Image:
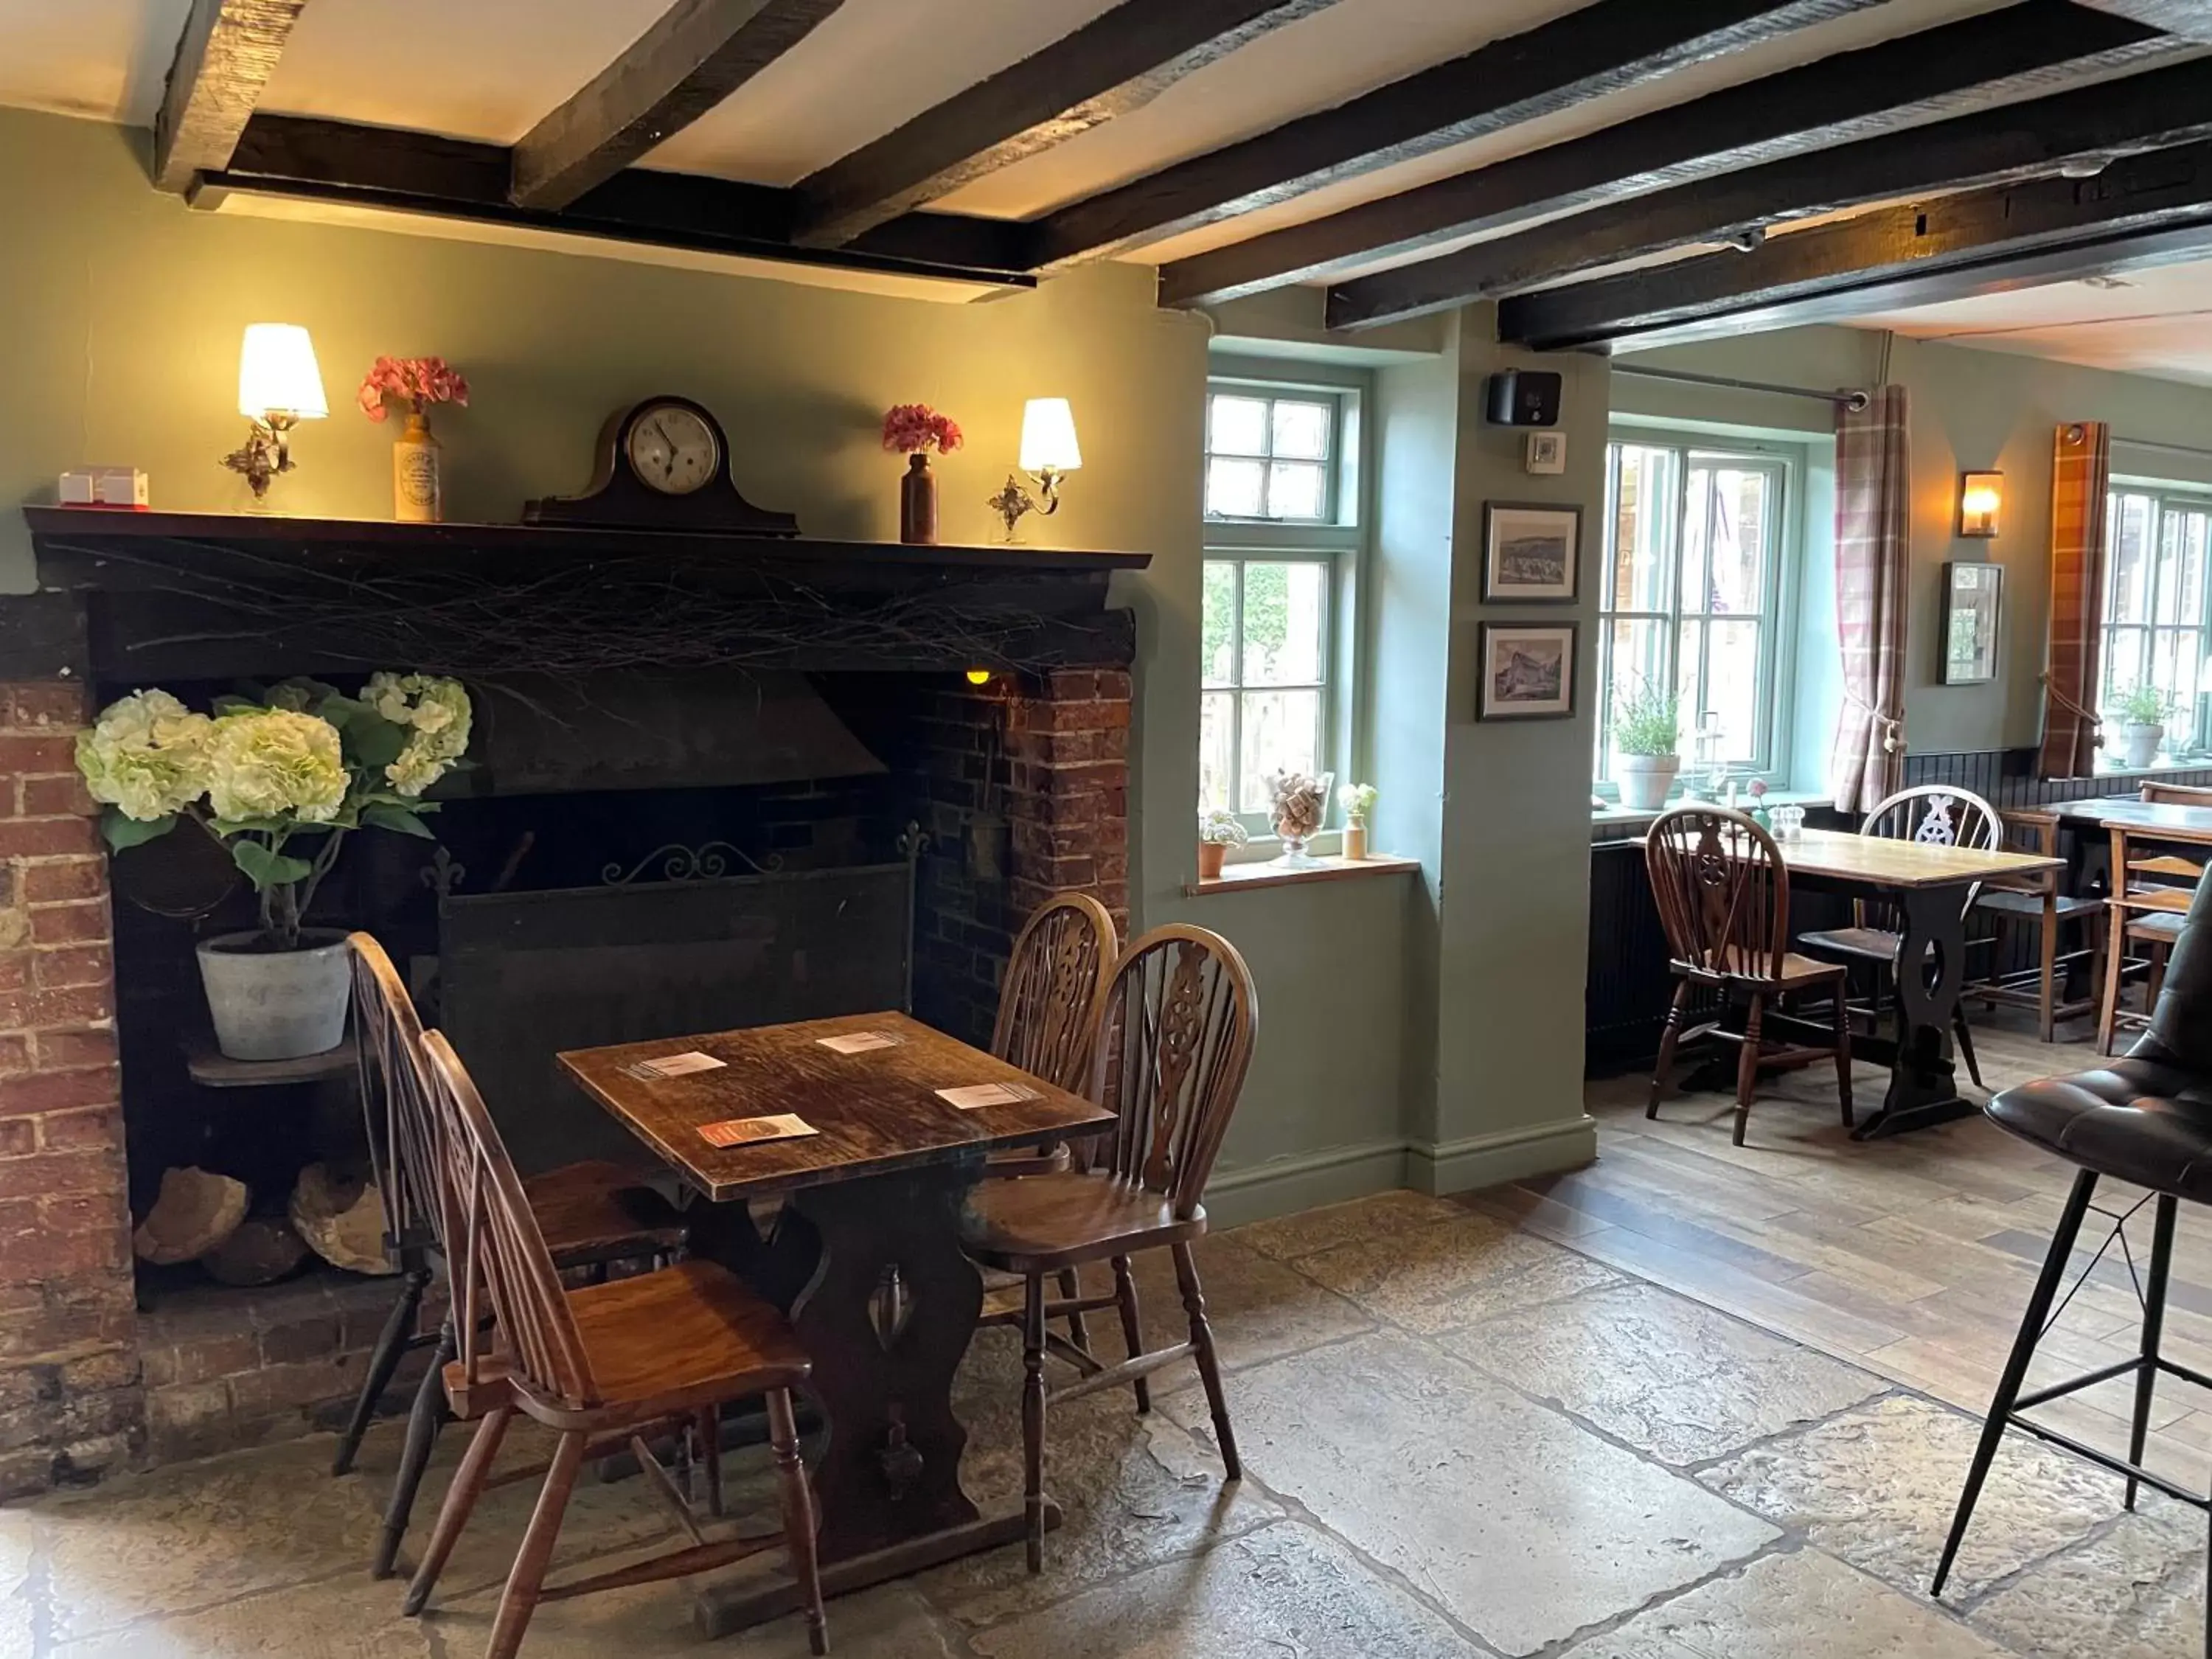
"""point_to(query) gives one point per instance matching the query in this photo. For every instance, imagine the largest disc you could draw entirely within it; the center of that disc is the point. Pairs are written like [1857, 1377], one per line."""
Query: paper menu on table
[860, 1043]
[668, 1066]
[745, 1131]
[975, 1095]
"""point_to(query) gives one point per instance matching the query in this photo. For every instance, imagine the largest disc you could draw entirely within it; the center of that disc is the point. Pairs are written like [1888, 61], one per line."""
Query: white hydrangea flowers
[145, 755]
[271, 763]
[437, 713]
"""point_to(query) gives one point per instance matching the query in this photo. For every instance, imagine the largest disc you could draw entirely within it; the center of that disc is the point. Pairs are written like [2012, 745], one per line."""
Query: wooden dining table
[863, 1255]
[1929, 885]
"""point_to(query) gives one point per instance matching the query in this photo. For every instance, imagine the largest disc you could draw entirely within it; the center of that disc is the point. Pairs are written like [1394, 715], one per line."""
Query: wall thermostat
[1525, 397]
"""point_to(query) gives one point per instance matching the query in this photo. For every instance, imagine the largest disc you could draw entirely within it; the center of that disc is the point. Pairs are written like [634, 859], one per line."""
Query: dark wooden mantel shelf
[144, 596]
[90, 529]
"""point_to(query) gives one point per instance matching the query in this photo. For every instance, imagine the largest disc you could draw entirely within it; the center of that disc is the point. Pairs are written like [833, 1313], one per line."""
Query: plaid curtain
[1874, 494]
[2080, 473]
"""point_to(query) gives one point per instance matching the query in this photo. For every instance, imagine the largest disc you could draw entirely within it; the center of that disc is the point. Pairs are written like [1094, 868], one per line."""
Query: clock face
[673, 449]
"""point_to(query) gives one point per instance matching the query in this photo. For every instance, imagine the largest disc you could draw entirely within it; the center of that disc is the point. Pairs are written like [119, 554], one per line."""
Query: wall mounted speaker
[1524, 398]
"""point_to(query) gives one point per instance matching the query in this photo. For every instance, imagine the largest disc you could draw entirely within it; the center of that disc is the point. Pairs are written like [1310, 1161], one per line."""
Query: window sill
[1612, 821]
[1243, 878]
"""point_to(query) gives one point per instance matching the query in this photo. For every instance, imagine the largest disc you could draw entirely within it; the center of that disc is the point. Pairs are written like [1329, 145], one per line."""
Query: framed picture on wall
[1972, 597]
[1527, 670]
[1529, 552]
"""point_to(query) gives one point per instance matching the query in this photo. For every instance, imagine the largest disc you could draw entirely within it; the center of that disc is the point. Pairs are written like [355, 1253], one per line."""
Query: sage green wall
[120, 313]
[1971, 411]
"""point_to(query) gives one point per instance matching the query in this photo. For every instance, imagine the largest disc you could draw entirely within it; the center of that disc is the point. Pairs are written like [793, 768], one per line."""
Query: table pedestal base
[725, 1609]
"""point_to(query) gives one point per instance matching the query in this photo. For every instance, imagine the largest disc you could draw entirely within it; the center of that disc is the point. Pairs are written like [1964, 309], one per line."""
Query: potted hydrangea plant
[279, 780]
[1217, 831]
[1647, 735]
[1357, 800]
[2142, 711]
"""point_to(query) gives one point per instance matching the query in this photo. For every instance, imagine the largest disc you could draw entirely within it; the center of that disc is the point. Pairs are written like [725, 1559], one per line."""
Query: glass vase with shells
[1299, 803]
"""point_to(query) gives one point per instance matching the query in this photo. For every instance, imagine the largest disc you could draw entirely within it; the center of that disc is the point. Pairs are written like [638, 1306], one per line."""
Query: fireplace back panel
[524, 976]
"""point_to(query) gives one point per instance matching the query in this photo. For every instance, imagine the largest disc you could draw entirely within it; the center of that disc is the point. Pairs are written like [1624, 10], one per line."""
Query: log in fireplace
[787, 730]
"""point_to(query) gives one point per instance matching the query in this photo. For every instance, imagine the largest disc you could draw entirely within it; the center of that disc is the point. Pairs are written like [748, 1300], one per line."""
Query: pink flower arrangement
[417, 382]
[911, 428]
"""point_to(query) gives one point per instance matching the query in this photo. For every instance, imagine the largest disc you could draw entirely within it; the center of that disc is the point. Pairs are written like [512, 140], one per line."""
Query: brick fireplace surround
[88, 1385]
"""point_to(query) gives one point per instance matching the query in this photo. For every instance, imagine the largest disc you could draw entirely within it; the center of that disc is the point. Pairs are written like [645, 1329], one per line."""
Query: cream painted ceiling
[488, 69]
[2155, 321]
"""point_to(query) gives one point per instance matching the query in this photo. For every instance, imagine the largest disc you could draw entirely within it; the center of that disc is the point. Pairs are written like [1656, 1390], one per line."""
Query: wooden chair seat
[598, 1211]
[2018, 901]
[656, 1340]
[1046, 1222]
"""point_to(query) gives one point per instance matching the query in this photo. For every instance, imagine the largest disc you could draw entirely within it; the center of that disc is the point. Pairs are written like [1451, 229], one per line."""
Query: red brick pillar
[71, 1401]
[1071, 796]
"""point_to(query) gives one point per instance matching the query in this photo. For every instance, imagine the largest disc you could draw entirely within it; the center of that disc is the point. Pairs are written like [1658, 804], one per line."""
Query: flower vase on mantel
[913, 430]
[918, 502]
[416, 384]
[418, 490]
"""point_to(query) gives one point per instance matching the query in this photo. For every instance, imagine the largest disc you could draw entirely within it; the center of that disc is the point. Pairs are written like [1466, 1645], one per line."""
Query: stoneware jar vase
[2143, 742]
[276, 1005]
[1645, 780]
[418, 494]
[1355, 842]
[1210, 856]
[918, 502]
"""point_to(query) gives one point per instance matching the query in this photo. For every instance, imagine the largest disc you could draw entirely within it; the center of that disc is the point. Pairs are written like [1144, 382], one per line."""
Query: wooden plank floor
[1911, 1256]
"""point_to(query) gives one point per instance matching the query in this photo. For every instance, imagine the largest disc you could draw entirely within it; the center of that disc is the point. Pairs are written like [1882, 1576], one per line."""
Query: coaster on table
[860, 1043]
[668, 1066]
[974, 1095]
[744, 1130]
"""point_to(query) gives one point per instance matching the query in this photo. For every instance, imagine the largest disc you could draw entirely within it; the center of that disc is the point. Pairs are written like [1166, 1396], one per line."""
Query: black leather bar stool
[2146, 1120]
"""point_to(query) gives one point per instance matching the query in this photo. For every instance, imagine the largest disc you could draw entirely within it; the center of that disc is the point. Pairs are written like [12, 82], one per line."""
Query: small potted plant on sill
[2141, 711]
[1217, 831]
[1647, 735]
[271, 778]
[1357, 800]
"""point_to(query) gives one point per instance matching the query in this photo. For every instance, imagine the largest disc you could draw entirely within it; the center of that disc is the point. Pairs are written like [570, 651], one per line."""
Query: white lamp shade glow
[278, 373]
[1048, 436]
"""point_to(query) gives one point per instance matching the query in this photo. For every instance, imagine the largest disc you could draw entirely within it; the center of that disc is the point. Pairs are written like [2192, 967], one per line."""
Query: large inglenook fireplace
[716, 782]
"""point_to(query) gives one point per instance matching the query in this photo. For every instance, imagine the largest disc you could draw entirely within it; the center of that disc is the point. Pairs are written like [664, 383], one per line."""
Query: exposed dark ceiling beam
[2192, 18]
[226, 55]
[2028, 49]
[422, 172]
[1603, 48]
[695, 54]
[2144, 209]
[1117, 62]
[2085, 127]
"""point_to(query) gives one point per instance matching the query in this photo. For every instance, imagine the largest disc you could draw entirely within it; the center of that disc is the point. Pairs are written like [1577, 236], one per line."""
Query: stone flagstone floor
[1459, 1439]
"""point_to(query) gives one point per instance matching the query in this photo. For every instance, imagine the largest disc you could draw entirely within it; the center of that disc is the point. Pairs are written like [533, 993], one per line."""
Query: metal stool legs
[2016, 1364]
[2154, 1327]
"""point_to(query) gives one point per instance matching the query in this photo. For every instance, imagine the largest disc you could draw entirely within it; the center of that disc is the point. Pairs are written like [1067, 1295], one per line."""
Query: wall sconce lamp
[279, 386]
[1048, 452]
[1981, 498]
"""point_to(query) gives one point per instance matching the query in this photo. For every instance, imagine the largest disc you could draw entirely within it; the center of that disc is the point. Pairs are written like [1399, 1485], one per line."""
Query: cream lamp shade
[1048, 437]
[278, 373]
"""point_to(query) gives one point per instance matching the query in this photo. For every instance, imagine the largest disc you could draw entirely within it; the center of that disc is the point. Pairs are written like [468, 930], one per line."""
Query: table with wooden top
[2145, 819]
[1929, 884]
[863, 1256]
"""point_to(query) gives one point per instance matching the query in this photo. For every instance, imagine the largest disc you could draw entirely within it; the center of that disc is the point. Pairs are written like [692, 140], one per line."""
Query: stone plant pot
[1355, 842]
[2143, 742]
[276, 1005]
[1645, 780]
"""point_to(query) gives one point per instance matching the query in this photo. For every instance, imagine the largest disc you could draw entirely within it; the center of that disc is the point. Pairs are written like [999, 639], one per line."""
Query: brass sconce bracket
[266, 453]
[1013, 502]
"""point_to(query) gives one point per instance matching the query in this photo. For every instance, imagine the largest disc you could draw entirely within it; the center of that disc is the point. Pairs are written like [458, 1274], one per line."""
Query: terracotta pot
[918, 503]
[418, 494]
[1355, 842]
[1210, 855]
